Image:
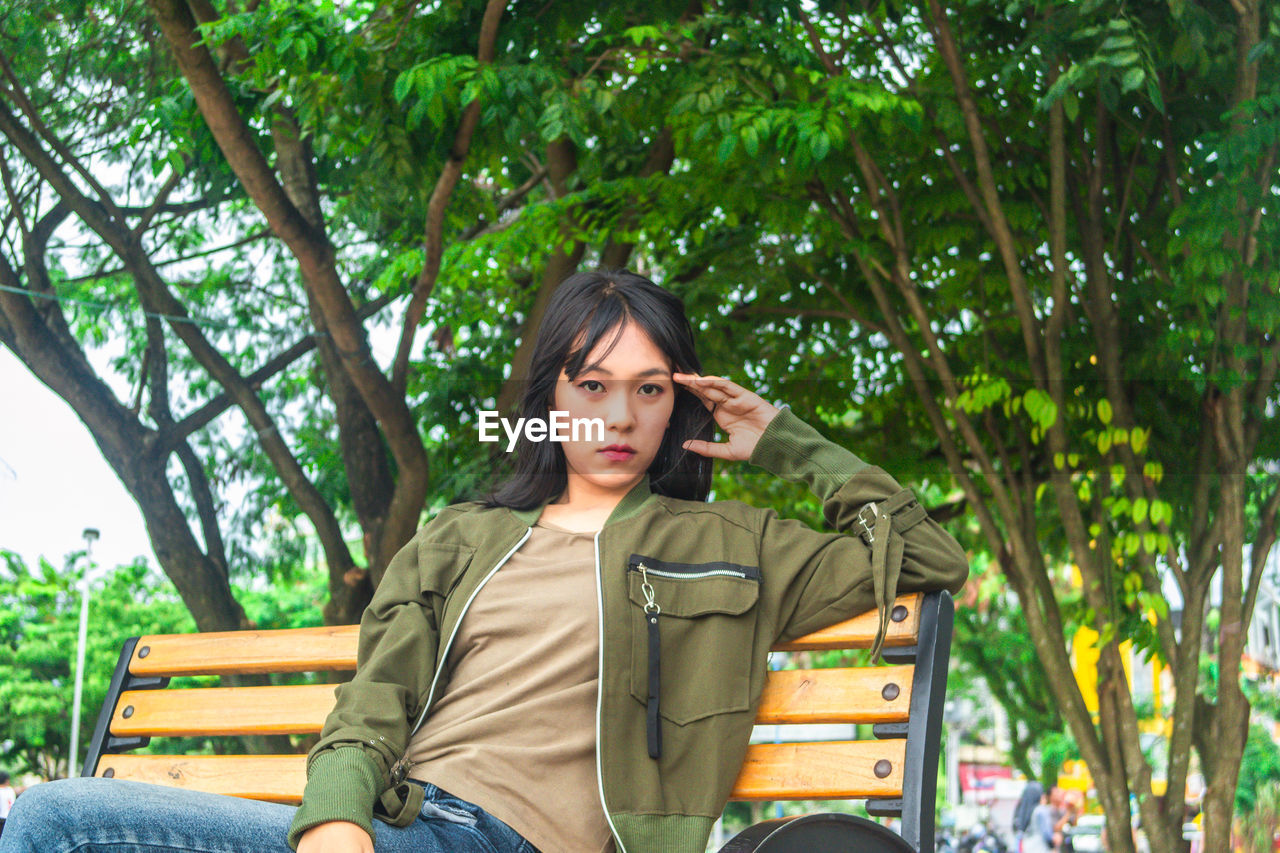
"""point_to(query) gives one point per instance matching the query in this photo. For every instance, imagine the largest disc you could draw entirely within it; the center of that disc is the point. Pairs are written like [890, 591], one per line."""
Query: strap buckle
[868, 523]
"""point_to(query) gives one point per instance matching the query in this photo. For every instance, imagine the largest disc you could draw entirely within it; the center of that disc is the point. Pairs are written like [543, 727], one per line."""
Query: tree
[991, 642]
[1048, 225]
[1024, 244]
[39, 627]
[301, 137]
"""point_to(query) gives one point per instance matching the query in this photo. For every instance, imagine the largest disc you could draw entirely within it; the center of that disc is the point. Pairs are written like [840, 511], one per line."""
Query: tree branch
[17, 95]
[439, 201]
[168, 439]
[121, 270]
[508, 202]
[1260, 550]
[660, 157]
[311, 248]
[1001, 233]
[155, 297]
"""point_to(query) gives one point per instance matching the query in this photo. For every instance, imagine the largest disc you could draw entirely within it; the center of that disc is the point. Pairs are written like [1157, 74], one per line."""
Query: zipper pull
[651, 611]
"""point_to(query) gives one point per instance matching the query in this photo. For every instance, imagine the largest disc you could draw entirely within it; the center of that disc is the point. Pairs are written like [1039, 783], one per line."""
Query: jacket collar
[639, 496]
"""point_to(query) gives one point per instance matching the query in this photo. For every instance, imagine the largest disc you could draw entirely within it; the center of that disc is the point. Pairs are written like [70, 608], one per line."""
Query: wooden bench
[896, 772]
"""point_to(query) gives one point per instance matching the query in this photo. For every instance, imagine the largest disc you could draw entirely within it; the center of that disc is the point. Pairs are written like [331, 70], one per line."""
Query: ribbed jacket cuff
[341, 785]
[663, 833]
[793, 450]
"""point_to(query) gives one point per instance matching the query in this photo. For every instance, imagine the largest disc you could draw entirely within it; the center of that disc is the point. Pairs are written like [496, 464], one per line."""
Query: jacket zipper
[458, 623]
[648, 565]
[600, 695]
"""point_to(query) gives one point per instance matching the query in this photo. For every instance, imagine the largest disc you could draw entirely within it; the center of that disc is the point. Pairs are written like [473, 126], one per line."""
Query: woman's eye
[657, 389]
[588, 382]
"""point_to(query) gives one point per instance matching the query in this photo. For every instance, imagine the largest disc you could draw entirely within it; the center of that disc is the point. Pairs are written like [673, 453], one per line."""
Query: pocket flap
[441, 564]
[696, 596]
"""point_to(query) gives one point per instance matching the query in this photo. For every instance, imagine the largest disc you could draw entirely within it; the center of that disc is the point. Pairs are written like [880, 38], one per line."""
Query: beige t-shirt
[514, 729]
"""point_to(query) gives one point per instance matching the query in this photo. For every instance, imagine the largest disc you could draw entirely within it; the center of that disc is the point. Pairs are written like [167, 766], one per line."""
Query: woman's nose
[618, 413]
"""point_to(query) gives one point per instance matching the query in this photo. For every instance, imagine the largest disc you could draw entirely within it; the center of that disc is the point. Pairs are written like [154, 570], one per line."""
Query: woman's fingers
[715, 389]
[708, 448]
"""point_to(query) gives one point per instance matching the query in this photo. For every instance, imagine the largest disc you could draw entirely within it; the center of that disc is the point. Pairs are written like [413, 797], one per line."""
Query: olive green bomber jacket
[728, 580]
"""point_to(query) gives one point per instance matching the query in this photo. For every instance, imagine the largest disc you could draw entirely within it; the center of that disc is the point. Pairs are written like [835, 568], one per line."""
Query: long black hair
[589, 305]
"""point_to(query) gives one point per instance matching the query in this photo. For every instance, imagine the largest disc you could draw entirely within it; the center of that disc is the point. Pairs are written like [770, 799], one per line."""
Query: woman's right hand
[335, 836]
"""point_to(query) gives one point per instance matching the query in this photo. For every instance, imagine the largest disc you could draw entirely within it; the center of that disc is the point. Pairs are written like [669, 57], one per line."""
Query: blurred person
[1070, 813]
[1039, 836]
[7, 797]
[1027, 802]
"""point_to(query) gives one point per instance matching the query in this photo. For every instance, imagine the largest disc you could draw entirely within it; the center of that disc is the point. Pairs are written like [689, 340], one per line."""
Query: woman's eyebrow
[653, 371]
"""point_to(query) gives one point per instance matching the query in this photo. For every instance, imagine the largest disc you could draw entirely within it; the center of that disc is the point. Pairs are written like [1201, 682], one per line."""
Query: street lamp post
[957, 714]
[90, 535]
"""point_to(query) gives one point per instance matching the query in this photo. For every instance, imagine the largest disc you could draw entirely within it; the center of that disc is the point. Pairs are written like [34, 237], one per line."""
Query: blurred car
[1086, 835]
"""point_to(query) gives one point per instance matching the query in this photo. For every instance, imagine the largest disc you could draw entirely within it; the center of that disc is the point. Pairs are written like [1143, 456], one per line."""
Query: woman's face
[632, 392]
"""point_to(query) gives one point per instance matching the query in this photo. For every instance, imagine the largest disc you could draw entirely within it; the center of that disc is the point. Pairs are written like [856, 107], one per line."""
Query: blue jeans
[93, 814]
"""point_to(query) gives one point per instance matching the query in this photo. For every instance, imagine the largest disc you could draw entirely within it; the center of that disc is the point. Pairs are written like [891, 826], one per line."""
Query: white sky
[53, 480]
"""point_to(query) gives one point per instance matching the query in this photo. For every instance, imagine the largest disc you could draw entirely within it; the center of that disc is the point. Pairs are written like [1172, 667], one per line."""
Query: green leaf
[1107, 635]
[1071, 105]
[639, 34]
[1085, 491]
[1139, 510]
[416, 114]
[1123, 59]
[1117, 42]
[435, 111]
[1132, 79]
[727, 144]
[819, 144]
[404, 83]
[1153, 92]
[1032, 401]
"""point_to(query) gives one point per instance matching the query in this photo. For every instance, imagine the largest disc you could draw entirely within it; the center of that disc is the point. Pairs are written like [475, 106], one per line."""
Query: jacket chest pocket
[706, 625]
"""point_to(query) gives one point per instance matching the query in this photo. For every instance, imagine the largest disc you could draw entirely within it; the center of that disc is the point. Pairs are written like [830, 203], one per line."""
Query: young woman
[574, 662]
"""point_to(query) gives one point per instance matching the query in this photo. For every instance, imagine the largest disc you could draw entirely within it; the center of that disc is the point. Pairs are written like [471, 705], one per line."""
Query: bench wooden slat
[821, 771]
[223, 711]
[334, 648]
[234, 652]
[855, 695]
[790, 696]
[771, 771]
[277, 778]
[860, 631]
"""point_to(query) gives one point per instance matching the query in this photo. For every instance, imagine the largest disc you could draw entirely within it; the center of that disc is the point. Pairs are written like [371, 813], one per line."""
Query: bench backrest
[896, 772]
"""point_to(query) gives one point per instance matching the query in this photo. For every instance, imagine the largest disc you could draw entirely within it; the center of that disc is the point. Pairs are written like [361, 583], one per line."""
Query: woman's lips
[618, 455]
